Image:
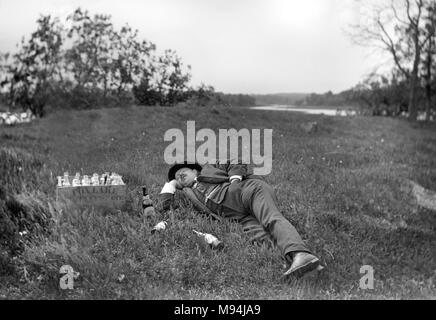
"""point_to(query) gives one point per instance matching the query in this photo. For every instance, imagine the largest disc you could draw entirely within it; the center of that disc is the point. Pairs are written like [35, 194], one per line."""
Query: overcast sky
[237, 46]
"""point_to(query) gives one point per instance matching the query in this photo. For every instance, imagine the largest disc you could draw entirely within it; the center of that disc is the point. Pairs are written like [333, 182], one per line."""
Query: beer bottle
[102, 179]
[76, 180]
[147, 203]
[161, 226]
[66, 181]
[95, 181]
[86, 181]
[60, 181]
[210, 239]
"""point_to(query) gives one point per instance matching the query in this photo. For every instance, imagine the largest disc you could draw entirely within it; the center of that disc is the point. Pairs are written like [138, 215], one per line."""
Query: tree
[171, 78]
[89, 63]
[35, 68]
[430, 52]
[382, 95]
[164, 82]
[133, 60]
[399, 29]
[90, 57]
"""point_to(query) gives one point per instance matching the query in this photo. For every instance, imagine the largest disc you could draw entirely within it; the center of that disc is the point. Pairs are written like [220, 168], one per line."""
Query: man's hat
[178, 166]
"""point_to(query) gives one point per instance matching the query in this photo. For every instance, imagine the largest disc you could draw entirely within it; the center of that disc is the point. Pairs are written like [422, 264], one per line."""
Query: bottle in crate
[76, 180]
[102, 179]
[107, 178]
[95, 181]
[86, 181]
[66, 180]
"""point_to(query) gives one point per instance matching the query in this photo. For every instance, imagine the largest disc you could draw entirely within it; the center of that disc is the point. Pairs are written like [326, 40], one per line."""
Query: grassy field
[344, 187]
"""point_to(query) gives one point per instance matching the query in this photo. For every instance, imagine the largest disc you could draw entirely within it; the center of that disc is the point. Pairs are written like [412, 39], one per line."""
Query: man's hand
[176, 184]
[170, 187]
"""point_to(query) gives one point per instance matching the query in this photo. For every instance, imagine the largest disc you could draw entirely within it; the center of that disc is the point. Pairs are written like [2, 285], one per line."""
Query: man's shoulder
[208, 168]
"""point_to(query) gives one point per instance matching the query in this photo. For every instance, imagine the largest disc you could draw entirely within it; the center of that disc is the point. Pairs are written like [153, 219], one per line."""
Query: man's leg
[258, 198]
[254, 203]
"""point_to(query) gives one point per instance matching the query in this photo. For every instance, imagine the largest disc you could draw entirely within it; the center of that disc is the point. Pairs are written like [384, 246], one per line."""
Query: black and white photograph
[217, 154]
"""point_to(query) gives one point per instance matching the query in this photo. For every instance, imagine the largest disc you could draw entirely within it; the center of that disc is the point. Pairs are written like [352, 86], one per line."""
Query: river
[310, 110]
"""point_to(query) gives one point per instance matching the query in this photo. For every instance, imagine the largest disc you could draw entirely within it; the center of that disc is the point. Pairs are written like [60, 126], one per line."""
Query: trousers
[253, 203]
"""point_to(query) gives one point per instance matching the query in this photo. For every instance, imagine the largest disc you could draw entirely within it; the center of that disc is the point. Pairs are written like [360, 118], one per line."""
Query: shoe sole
[310, 266]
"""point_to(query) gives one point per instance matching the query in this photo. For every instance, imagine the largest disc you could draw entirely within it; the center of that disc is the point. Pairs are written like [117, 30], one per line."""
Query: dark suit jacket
[212, 184]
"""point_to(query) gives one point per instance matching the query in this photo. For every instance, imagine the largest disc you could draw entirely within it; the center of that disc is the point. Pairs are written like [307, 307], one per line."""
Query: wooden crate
[109, 197]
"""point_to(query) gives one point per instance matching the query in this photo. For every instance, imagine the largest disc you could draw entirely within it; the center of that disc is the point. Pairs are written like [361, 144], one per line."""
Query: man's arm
[236, 170]
[166, 196]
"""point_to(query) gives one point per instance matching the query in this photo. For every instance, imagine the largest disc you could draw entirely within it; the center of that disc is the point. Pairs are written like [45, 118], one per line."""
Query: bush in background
[85, 63]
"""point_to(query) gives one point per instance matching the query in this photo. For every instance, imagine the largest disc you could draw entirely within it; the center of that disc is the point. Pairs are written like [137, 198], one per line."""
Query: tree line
[85, 62]
[404, 30]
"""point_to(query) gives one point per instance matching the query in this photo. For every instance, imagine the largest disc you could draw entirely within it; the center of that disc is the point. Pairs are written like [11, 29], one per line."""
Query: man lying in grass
[230, 191]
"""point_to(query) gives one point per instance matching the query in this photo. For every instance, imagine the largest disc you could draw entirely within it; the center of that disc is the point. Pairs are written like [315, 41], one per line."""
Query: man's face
[186, 177]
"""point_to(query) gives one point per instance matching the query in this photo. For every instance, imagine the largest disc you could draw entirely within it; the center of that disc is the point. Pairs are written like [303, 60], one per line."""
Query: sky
[237, 46]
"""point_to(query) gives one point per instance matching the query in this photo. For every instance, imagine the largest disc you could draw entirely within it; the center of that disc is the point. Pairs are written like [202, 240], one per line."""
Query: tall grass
[343, 187]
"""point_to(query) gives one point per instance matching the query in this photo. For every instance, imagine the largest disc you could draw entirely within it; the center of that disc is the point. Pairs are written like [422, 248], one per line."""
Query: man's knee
[275, 219]
[263, 186]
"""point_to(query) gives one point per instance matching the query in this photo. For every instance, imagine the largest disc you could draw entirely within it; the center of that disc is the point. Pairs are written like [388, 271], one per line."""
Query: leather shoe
[302, 263]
